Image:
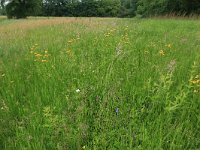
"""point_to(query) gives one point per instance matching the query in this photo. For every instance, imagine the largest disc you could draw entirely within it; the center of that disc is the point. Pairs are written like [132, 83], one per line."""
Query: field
[99, 83]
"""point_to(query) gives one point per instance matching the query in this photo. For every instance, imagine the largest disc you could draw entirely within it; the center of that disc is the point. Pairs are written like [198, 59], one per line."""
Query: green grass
[100, 84]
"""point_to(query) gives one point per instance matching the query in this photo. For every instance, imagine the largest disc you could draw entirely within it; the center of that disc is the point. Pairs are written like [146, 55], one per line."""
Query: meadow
[99, 83]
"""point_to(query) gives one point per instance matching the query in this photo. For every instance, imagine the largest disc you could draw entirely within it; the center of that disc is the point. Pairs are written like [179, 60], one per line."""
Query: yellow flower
[46, 55]
[161, 52]
[169, 46]
[69, 52]
[107, 34]
[198, 81]
[70, 41]
[195, 81]
[38, 55]
[195, 91]
[44, 61]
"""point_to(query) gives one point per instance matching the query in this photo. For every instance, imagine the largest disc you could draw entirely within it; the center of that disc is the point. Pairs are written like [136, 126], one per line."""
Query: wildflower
[171, 66]
[70, 41]
[78, 90]
[195, 91]
[69, 52]
[47, 111]
[46, 55]
[36, 44]
[192, 81]
[119, 49]
[117, 110]
[44, 61]
[4, 106]
[30, 138]
[195, 81]
[46, 51]
[38, 55]
[161, 52]
[107, 34]
[169, 46]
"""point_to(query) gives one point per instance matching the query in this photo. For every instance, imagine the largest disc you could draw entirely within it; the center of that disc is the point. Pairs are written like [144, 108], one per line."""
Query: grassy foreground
[88, 83]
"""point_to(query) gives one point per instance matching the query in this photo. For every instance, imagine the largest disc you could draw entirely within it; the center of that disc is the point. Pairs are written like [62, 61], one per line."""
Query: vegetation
[101, 8]
[162, 7]
[23, 8]
[88, 83]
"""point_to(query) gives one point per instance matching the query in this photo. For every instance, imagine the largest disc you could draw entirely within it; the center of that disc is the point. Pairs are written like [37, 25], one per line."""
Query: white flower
[78, 90]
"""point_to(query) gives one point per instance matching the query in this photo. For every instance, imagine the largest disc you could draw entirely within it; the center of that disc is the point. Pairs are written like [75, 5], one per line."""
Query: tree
[54, 7]
[2, 7]
[128, 8]
[161, 7]
[191, 6]
[111, 7]
[23, 8]
[2, 2]
[152, 7]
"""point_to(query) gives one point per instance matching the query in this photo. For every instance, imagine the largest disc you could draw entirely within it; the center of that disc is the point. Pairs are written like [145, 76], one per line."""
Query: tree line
[97, 8]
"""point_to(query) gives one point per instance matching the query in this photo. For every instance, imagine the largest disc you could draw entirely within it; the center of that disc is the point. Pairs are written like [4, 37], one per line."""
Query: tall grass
[99, 84]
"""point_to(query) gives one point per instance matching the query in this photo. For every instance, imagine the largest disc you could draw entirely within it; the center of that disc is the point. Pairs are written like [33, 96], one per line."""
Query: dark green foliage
[161, 7]
[192, 6]
[2, 12]
[151, 7]
[23, 8]
[128, 8]
[99, 8]
[103, 8]
[87, 8]
[56, 7]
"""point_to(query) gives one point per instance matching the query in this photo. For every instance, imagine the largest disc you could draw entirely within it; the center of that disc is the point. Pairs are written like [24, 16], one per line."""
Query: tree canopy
[22, 8]
[94, 8]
